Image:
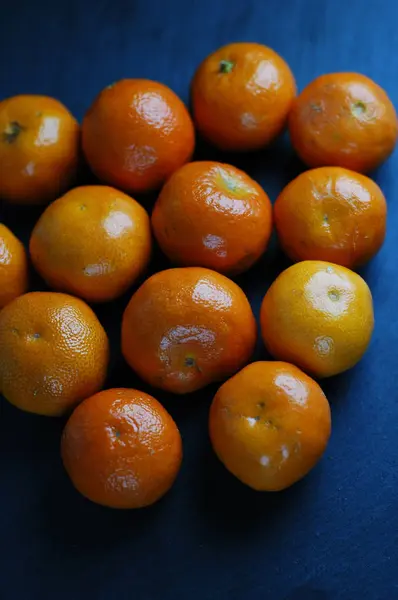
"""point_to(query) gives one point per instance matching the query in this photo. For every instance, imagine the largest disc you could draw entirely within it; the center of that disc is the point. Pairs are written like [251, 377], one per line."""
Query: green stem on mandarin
[226, 66]
[11, 132]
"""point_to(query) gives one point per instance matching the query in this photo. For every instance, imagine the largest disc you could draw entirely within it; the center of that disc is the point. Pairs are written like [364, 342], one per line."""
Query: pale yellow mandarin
[319, 316]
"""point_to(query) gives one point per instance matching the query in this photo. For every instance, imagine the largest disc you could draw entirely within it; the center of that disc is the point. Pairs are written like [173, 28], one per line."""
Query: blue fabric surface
[332, 536]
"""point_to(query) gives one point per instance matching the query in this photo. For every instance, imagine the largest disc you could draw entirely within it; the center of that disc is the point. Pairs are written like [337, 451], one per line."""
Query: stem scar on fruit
[12, 131]
[191, 362]
[358, 108]
[226, 66]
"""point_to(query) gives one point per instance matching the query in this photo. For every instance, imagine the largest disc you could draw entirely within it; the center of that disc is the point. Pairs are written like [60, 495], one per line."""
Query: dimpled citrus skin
[136, 133]
[343, 119]
[241, 96]
[212, 215]
[53, 352]
[319, 316]
[331, 214]
[13, 267]
[269, 425]
[39, 149]
[93, 242]
[121, 449]
[185, 328]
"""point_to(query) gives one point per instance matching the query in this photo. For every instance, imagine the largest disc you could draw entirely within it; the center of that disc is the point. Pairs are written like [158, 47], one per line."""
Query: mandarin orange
[39, 149]
[319, 316]
[331, 214]
[212, 215]
[53, 352]
[269, 425]
[13, 267]
[241, 96]
[185, 328]
[121, 449]
[136, 134]
[94, 242]
[345, 120]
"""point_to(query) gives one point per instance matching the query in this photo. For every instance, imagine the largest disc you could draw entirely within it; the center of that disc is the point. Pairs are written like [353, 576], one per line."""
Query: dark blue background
[332, 536]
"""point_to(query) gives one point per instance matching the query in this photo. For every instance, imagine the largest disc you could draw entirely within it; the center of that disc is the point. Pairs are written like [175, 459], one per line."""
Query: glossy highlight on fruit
[187, 327]
[94, 242]
[39, 149]
[13, 267]
[121, 449]
[331, 214]
[269, 425]
[212, 215]
[136, 134]
[53, 353]
[318, 316]
[241, 96]
[345, 120]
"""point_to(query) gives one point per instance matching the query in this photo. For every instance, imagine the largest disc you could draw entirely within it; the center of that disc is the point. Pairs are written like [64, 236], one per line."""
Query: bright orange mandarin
[93, 242]
[121, 449]
[212, 215]
[331, 214]
[13, 267]
[319, 316]
[269, 425]
[345, 120]
[185, 328]
[241, 96]
[53, 352]
[39, 149]
[136, 134]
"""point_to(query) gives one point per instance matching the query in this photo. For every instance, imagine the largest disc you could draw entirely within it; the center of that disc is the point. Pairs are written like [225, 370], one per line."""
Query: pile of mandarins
[189, 326]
